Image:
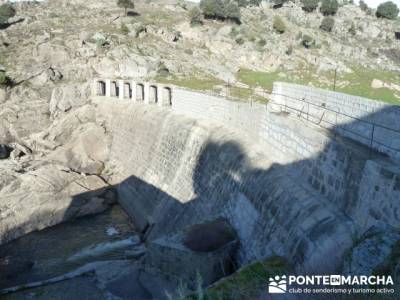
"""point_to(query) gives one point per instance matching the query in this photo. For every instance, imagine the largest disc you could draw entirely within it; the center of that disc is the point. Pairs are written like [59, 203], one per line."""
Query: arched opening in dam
[101, 88]
[153, 96]
[140, 92]
[127, 90]
[114, 92]
[167, 96]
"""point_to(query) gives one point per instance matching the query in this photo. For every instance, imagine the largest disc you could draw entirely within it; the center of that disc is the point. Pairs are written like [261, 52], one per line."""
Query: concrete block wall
[238, 115]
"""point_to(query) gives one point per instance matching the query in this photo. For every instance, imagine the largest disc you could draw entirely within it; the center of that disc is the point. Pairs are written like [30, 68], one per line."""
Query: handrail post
[372, 140]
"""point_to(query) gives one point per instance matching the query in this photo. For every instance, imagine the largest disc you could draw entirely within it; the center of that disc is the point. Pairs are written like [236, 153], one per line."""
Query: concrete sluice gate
[213, 185]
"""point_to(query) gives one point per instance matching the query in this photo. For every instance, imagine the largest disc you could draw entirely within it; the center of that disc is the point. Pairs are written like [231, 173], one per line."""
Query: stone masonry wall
[238, 115]
[364, 120]
[287, 187]
[175, 171]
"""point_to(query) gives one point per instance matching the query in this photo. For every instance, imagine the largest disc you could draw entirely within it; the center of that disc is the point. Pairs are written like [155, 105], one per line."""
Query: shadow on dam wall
[275, 210]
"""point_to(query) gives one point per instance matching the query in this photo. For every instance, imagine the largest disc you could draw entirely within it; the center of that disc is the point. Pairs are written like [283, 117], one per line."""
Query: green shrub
[262, 42]
[327, 24]
[231, 11]
[363, 6]
[239, 41]
[278, 25]
[126, 4]
[387, 10]
[162, 69]
[195, 16]
[242, 3]
[289, 50]
[223, 10]
[124, 29]
[3, 78]
[254, 2]
[139, 30]
[279, 3]
[6, 11]
[309, 5]
[234, 32]
[307, 41]
[329, 7]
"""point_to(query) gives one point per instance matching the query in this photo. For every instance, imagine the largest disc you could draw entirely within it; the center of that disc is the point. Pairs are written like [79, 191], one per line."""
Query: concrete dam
[302, 177]
[151, 185]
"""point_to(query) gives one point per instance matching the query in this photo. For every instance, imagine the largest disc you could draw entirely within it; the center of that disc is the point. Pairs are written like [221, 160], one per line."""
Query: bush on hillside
[363, 6]
[222, 10]
[246, 3]
[309, 5]
[254, 2]
[278, 25]
[195, 16]
[124, 29]
[329, 7]
[242, 3]
[126, 4]
[279, 3]
[231, 11]
[388, 10]
[307, 41]
[3, 78]
[6, 11]
[327, 24]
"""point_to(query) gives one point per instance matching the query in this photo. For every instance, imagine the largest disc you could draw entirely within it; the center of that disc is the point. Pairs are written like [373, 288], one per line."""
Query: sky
[375, 3]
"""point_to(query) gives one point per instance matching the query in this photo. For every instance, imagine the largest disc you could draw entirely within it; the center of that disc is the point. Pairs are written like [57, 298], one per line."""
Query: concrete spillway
[176, 171]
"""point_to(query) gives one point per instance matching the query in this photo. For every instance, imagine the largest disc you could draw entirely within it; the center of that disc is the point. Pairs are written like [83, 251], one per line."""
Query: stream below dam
[61, 262]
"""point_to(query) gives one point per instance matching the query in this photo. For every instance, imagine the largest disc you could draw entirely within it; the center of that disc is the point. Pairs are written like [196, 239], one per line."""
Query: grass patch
[256, 78]
[193, 83]
[360, 84]
[357, 83]
[249, 281]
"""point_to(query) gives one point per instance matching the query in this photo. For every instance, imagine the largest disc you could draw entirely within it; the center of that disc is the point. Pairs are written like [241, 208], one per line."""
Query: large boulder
[46, 196]
[86, 150]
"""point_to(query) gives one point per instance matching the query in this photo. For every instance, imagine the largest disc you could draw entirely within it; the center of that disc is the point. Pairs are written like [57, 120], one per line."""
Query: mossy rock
[249, 281]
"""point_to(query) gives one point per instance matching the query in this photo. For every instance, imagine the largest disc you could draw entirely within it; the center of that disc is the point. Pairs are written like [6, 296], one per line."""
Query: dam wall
[174, 171]
[331, 165]
[287, 186]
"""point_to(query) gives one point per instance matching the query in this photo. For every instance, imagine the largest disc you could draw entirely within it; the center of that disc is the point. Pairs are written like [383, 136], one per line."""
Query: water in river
[60, 249]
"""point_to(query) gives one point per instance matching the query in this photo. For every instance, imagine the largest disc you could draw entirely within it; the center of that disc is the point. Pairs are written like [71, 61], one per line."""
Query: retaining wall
[372, 123]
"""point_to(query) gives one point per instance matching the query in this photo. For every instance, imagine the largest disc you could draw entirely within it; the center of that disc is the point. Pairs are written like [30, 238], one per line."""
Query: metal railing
[370, 140]
[321, 120]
